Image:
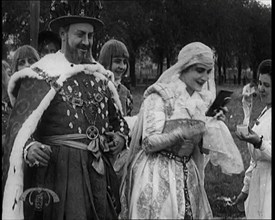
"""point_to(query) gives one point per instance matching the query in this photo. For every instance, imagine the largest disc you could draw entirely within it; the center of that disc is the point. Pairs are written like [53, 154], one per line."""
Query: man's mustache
[83, 47]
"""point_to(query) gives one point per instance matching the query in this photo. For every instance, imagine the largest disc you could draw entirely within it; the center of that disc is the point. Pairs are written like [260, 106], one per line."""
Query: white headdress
[189, 55]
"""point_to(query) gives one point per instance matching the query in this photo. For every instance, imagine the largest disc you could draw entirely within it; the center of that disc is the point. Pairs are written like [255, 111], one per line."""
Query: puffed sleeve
[155, 137]
[154, 115]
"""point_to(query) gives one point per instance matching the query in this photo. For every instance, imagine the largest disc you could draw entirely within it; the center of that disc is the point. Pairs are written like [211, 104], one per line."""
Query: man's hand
[116, 142]
[39, 154]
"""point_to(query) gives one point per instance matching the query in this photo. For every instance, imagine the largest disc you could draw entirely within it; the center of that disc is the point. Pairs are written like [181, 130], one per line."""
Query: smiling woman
[165, 168]
[114, 56]
[195, 77]
[256, 192]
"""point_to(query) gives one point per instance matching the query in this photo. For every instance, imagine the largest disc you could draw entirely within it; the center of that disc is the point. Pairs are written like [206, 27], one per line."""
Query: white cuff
[26, 152]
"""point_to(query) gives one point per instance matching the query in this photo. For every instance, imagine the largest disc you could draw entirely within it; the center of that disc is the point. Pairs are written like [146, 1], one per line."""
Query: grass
[216, 183]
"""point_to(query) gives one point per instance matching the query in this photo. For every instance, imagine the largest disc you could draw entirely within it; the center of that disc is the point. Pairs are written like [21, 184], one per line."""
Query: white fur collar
[55, 65]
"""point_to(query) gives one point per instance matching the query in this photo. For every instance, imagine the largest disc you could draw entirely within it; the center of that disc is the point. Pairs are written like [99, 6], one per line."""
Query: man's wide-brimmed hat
[64, 14]
[73, 19]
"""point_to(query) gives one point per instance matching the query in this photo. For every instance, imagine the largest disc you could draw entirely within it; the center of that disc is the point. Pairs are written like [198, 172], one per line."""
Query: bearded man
[65, 127]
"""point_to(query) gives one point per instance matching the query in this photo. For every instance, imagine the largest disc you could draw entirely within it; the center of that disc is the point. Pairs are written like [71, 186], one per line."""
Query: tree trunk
[254, 69]
[220, 70]
[132, 62]
[224, 72]
[160, 64]
[34, 22]
[160, 67]
[168, 61]
[239, 70]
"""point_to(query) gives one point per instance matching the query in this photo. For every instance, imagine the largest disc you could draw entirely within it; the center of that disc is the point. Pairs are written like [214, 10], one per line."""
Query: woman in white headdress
[165, 170]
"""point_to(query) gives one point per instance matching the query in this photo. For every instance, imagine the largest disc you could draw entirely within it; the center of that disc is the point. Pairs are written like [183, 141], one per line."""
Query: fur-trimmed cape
[55, 65]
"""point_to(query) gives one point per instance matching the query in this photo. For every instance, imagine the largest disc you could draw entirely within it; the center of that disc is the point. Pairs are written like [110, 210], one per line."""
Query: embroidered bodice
[183, 105]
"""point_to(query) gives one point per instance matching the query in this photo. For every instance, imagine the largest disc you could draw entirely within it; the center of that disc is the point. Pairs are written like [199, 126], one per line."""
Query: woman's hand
[252, 137]
[185, 149]
[220, 115]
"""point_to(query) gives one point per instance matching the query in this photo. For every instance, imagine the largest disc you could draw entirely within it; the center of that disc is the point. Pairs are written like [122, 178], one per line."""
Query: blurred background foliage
[239, 29]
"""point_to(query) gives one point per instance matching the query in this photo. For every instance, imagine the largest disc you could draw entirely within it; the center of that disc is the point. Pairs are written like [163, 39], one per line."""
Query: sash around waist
[68, 140]
[96, 146]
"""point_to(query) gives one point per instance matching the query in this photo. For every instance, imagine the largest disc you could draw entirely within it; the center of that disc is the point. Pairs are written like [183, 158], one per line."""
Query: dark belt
[170, 155]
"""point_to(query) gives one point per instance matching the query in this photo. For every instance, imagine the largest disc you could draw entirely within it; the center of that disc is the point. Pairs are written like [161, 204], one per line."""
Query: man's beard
[74, 55]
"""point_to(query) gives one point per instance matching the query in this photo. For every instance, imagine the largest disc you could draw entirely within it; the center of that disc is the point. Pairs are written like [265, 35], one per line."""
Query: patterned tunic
[83, 192]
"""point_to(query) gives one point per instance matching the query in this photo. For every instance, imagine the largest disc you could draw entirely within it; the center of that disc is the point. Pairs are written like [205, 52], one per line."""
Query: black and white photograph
[136, 109]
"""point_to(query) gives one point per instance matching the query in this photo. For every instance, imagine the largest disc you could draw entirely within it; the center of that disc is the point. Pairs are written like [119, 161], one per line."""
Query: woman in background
[256, 191]
[114, 56]
[24, 57]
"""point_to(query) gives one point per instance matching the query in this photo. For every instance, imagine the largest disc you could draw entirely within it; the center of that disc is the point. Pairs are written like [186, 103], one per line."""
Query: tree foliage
[15, 22]
[234, 28]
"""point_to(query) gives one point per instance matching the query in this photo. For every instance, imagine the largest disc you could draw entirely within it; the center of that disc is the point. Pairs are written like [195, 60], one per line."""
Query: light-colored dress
[155, 185]
[257, 180]
[158, 182]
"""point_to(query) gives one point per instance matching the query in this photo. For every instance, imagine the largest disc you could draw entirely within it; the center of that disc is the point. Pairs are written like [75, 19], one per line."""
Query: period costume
[257, 180]
[125, 97]
[110, 50]
[126, 100]
[59, 103]
[161, 181]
